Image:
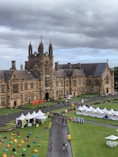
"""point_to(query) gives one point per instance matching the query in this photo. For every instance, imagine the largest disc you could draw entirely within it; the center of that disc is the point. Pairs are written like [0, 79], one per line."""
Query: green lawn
[9, 111]
[13, 110]
[38, 139]
[83, 96]
[108, 106]
[89, 140]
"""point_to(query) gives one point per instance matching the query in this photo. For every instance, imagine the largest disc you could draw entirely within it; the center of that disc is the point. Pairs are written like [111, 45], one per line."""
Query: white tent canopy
[40, 113]
[97, 112]
[29, 116]
[111, 137]
[20, 118]
[34, 114]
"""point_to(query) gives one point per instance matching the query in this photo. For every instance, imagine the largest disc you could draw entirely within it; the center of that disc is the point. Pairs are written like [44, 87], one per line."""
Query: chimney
[79, 65]
[69, 65]
[56, 66]
[13, 65]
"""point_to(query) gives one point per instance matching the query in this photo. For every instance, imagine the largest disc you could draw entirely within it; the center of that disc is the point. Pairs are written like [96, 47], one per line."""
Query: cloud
[77, 29]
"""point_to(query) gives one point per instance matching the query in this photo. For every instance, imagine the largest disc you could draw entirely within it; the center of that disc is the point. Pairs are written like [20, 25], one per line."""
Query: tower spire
[50, 50]
[30, 49]
[40, 47]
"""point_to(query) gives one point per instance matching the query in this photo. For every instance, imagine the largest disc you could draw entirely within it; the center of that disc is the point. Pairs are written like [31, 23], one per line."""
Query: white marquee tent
[29, 116]
[35, 115]
[40, 113]
[20, 118]
[97, 112]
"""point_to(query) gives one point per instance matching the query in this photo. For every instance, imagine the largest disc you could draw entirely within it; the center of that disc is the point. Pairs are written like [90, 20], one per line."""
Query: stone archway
[47, 96]
[15, 103]
[107, 90]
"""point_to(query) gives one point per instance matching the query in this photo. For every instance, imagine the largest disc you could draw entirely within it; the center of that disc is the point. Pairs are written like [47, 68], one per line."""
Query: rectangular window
[26, 97]
[61, 92]
[67, 92]
[56, 83]
[32, 85]
[21, 86]
[74, 82]
[61, 83]
[3, 101]
[56, 93]
[32, 96]
[66, 82]
[2, 88]
[26, 86]
[47, 82]
[15, 88]
[107, 80]
[21, 98]
[46, 71]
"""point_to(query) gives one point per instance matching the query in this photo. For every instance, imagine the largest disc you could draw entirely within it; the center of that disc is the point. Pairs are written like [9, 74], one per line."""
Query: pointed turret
[40, 48]
[30, 49]
[50, 50]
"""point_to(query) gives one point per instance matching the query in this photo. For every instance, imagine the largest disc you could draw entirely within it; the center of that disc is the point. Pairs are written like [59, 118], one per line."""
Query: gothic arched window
[107, 79]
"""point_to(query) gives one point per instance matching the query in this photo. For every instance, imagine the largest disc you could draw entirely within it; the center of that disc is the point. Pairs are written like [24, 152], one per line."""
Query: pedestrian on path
[65, 146]
[63, 122]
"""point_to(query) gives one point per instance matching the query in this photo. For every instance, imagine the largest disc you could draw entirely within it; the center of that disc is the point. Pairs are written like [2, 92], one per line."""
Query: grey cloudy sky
[81, 31]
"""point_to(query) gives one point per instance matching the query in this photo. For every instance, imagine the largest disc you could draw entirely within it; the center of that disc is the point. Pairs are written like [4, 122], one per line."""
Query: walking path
[58, 136]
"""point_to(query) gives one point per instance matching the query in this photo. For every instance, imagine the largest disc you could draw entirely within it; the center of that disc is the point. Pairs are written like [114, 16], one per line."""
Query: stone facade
[40, 80]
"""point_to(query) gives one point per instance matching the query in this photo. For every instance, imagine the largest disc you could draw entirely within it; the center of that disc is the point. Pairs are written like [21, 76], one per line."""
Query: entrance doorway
[15, 103]
[46, 96]
[107, 90]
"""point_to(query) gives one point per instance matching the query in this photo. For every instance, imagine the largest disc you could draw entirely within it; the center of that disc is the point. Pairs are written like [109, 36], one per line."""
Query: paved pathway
[58, 136]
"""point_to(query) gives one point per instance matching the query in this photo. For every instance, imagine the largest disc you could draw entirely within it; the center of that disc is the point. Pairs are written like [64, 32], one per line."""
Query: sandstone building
[40, 80]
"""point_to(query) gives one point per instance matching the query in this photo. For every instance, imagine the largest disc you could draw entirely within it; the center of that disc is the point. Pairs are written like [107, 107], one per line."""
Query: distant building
[40, 80]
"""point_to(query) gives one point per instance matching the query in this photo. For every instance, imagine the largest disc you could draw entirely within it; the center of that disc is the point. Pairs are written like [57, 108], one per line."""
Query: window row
[74, 82]
[15, 87]
[24, 98]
